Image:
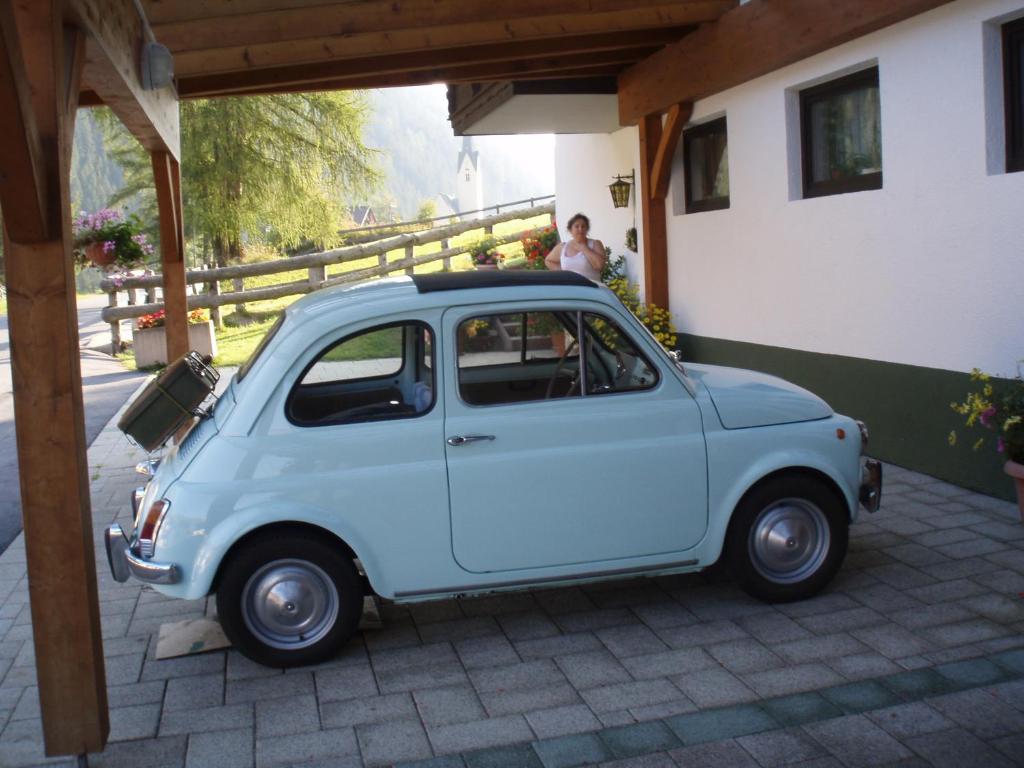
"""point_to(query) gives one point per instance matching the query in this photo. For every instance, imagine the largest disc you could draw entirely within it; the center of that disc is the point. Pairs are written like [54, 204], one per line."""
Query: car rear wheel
[289, 600]
[787, 538]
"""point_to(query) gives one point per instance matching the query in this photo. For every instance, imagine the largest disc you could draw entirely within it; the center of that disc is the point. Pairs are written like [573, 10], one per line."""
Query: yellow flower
[952, 437]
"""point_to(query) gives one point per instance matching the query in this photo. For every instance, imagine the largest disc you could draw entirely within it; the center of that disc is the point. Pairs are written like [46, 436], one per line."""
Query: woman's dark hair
[579, 217]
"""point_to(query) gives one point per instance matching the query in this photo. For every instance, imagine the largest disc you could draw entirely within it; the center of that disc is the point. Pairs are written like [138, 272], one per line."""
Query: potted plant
[484, 253]
[537, 245]
[107, 238]
[149, 339]
[999, 407]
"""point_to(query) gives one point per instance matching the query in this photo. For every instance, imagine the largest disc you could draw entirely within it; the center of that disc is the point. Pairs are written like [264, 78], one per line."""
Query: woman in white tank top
[579, 254]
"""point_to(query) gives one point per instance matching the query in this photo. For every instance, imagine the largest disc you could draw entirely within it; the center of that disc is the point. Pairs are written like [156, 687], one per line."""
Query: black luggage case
[169, 401]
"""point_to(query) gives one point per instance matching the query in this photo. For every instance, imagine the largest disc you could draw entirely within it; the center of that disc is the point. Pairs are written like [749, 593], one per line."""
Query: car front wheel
[787, 538]
[289, 600]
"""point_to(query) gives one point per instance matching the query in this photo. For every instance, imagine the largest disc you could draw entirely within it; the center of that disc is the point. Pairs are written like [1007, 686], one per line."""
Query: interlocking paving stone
[800, 708]
[864, 665]
[559, 645]
[589, 621]
[979, 712]
[664, 615]
[841, 621]
[624, 695]
[371, 709]
[494, 732]
[857, 741]
[892, 641]
[1011, 746]
[131, 723]
[719, 754]
[524, 675]
[431, 676]
[414, 657]
[305, 747]
[522, 756]
[225, 718]
[859, 697]
[773, 627]
[1011, 660]
[562, 721]
[633, 640]
[262, 688]
[972, 672]
[284, 717]
[821, 647]
[391, 742]
[195, 691]
[713, 687]
[491, 651]
[739, 656]
[782, 747]
[571, 751]
[639, 739]
[528, 625]
[905, 720]
[716, 724]
[523, 700]
[660, 711]
[956, 748]
[918, 683]
[221, 749]
[589, 670]
[972, 631]
[794, 679]
[444, 706]
[701, 634]
[666, 663]
[481, 626]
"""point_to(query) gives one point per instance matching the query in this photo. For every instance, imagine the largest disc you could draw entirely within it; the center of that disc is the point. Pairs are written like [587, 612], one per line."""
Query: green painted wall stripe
[906, 407]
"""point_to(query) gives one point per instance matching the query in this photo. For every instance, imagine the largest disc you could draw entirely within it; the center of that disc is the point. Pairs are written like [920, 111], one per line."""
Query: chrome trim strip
[117, 547]
[546, 579]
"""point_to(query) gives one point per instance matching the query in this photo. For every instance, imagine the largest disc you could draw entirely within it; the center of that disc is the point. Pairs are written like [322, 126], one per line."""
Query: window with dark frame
[841, 132]
[1013, 82]
[706, 166]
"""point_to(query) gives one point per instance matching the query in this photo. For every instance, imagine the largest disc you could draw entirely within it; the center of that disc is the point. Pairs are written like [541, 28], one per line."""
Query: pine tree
[275, 169]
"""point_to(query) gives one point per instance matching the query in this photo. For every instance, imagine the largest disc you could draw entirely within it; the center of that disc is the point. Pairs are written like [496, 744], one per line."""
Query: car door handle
[464, 439]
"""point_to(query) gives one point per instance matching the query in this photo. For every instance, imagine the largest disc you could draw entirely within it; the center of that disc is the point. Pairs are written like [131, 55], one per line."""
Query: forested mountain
[419, 152]
[417, 155]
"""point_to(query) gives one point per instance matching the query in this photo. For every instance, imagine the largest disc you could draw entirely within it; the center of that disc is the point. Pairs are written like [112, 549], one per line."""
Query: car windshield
[248, 364]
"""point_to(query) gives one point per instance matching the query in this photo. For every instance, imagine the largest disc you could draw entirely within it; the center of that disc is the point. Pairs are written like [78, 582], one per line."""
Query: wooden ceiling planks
[235, 47]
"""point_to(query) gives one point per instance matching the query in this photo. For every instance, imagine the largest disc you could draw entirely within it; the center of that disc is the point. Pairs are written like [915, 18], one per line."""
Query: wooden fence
[316, 265]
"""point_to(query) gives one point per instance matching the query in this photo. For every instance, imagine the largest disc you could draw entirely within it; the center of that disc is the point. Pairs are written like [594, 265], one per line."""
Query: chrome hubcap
[290, 604]
[789, 541]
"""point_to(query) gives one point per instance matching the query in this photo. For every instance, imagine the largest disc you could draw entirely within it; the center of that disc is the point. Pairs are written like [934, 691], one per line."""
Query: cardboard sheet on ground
[182, 638]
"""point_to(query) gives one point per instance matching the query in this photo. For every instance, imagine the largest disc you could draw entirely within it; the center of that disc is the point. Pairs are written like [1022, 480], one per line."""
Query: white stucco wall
[926, 271]
[584, 167]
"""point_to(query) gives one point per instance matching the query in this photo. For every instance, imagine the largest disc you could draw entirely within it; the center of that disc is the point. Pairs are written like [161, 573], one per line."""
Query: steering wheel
[558, 369]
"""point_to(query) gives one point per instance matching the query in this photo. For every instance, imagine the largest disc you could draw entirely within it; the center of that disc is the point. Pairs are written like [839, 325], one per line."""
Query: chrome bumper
[124, 563]
[871, 485]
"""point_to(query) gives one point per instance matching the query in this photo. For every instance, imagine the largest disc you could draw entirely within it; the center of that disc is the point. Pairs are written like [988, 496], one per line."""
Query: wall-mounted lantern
[620, 190]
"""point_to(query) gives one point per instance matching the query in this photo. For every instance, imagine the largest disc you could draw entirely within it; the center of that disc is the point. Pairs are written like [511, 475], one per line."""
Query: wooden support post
[49, 417]
[213, 288]
[167, 177]
[115, 327]
[653, 210]
[317, 274]
[446, 262]
[409, 253]
[382, 263]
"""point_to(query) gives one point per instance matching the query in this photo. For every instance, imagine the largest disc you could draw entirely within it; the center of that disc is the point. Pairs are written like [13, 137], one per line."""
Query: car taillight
[151, 523]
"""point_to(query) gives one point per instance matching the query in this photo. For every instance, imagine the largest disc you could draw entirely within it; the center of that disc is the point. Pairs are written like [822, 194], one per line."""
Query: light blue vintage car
[463, 433]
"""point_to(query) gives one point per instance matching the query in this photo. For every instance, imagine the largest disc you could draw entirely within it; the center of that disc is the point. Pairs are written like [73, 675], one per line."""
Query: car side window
[386, 372]
[614, 363]
[518, 357]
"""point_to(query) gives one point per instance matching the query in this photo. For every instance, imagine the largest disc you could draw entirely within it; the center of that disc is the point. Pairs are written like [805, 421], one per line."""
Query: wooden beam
[190, 61]
[592, 46]
[285, 20]
[678, 116]
[22, 174]
[49, 417]
[167, 178]
[652, 216]
[113, 60]
[608, 63]
[750, 41]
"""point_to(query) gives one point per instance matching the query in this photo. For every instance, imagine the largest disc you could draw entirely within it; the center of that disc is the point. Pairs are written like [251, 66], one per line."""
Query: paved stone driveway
[914, 656]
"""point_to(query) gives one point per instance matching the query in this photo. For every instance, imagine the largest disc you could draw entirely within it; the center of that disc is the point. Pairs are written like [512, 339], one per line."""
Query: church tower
[468, 187]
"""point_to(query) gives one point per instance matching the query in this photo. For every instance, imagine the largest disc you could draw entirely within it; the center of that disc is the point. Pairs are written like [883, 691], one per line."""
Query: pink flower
[986, 416]
[1000, 445]
[109, 246]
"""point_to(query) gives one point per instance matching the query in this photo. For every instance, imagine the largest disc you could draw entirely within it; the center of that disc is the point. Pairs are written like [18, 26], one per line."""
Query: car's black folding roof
[496, 278]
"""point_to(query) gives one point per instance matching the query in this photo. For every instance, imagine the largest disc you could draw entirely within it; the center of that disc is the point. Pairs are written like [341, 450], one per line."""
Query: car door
[544, 473]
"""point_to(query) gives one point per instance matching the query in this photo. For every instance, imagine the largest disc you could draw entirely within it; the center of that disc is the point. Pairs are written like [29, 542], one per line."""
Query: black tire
[787, 538]
[285, 600]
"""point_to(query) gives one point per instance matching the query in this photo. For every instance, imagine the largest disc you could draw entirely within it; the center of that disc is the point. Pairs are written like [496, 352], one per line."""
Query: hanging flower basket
[108, 238]
[100, 255]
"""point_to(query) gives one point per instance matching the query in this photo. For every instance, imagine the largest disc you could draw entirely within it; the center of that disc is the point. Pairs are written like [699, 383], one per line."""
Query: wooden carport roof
[56, 55]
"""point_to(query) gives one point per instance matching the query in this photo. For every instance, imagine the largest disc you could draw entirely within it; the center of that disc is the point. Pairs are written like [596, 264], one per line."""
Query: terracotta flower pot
[100, 258]
[1016, 471]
